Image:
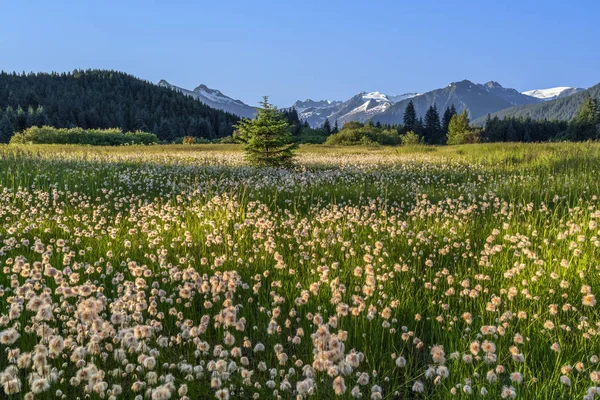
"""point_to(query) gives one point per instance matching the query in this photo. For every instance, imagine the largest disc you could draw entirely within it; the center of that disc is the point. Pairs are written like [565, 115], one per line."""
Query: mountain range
[478, 99]
[560, 108]
[215, 99]
[113, 99]
[360, 107]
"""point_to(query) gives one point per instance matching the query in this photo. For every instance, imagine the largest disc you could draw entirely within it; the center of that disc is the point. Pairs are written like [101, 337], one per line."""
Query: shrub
[310, 136]
[466, 137]
[386, 137]
[190, 140]
[355, 133]
[474, 136]
[348, 137]
[410, 139]
[227, 140]
[94, 137]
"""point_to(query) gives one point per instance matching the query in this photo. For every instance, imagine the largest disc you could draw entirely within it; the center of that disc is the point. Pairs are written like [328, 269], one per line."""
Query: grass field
[170, 272]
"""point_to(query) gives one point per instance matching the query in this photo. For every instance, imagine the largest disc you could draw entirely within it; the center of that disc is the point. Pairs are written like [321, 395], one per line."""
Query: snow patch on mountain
[360, 107]
[552, 93]
[400, 97]
[377, 96]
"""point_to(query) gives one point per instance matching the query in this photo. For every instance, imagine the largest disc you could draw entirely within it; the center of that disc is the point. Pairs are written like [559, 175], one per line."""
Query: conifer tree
[584, 125]
[432, 130]
[21, 120]
[6, 128]
[418, 127]
[327, 127]
[458, 129]
[597, 107]
[336, 128]
[448, 114]
[410, 117]
[266, 139]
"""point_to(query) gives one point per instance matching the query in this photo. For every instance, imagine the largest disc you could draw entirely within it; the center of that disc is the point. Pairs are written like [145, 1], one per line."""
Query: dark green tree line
[105, 99]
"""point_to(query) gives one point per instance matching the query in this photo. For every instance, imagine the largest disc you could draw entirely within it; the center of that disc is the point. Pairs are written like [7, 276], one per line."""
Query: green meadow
[180, 272]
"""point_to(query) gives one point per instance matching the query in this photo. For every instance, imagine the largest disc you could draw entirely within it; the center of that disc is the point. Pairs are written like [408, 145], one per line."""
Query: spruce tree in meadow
[266, 139]
[410, 117]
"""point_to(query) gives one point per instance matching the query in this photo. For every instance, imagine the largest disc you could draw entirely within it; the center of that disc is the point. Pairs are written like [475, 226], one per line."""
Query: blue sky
[310, 49]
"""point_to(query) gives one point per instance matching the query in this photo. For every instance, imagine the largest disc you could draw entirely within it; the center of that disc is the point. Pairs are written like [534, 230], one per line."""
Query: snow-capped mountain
[215, 99]
[399, 97]
[477, 99]
[552, 93]
[302, 106]
[360, 107]
[316, 112]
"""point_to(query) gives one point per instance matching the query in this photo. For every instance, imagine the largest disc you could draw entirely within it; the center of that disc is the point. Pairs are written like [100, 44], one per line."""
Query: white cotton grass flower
[516, 377]
[363, 379]
[376, 392]
[12, 386]
[508, 392]
[491, 376]
[222, 394]
[39, 385]
[355, 392]
[149, 363]
[438, 355]
[400, 362]
[589, 300]
[9, 336]
[418, 387]
[339, 386]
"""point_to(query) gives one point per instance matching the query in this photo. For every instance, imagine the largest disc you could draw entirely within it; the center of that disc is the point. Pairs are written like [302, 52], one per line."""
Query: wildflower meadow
[182, 272]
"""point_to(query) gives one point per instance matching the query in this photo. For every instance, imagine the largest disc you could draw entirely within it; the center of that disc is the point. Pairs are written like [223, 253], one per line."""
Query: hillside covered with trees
[563, 109]
[104, 99]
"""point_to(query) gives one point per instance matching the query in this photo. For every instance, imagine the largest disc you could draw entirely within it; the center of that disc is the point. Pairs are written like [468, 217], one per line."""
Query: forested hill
[563, 109]
[105, 99]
